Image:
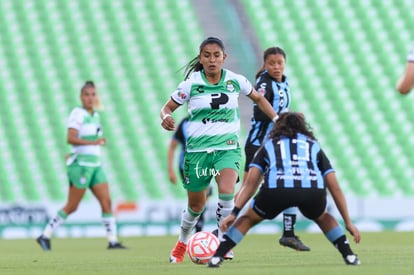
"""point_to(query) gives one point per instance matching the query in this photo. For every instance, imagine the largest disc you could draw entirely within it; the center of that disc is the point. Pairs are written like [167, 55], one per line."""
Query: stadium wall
[148, 218]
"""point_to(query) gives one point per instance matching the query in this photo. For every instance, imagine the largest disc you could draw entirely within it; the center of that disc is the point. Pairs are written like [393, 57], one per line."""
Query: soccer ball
[202, 246]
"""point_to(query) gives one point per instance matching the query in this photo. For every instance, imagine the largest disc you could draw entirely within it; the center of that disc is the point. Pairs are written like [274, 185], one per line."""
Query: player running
[213, 150]
[84, 168]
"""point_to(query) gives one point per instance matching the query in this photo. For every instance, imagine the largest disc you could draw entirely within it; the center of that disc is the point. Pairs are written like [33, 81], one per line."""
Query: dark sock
[200, 223]
[289, 225]
[343, 246]
[224, 246]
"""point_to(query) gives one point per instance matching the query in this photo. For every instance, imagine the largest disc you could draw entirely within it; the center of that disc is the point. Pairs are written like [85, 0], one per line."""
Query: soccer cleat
[229, 255]
[215, 261]
[177, 254]
[352, 260]
[116, 245]
[294, 243]
[44, 243]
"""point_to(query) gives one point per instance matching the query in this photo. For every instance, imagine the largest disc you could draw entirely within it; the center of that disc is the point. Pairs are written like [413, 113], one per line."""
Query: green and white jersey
[89, 128]
[214, 118]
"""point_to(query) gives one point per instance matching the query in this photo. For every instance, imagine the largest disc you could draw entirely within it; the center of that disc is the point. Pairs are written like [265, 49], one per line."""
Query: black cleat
[294, 243]
[44, 243]
[215, 261]
[352, 260]
[116, 245]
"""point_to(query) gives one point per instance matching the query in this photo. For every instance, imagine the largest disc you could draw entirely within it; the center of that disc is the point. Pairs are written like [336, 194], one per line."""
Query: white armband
[165, 116]
[275, 118]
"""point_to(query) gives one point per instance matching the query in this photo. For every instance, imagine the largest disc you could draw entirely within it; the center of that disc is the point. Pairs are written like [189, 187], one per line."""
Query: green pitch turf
[380, 253]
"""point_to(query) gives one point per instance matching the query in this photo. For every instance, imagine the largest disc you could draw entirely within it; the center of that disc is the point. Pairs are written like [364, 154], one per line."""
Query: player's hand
[353, 230]
[225, 224]
[168, 123]
[172, 176]
[100, 141]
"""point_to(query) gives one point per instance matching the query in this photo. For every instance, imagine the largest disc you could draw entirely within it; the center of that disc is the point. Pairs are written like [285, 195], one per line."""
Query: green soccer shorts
[85, 176]
[201, 167]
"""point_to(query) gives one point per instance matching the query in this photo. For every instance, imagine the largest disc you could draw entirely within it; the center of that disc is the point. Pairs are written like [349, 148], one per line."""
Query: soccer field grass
[380, 253]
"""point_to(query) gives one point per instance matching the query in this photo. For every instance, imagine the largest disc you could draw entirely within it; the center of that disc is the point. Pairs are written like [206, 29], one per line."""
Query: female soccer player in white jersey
[213, 150]
[84, 168]
[406, 82]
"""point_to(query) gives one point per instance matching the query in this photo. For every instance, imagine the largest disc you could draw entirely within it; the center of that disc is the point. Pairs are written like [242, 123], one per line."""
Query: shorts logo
[230, 142]
[205, 172]
[82, 180]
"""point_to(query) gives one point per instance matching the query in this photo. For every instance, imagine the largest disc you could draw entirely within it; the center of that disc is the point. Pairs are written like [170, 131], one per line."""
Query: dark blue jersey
[292, 163]
[181, 136]
[278, 95]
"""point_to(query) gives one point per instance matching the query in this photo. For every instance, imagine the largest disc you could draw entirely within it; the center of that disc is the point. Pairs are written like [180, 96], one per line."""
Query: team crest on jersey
[182, 95]
[229, 86]
[262, 89]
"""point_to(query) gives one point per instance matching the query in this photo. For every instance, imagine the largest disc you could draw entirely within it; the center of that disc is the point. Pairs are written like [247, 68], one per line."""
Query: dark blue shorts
[269, 203]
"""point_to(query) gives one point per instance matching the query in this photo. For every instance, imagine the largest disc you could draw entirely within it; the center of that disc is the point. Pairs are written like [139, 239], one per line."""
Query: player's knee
[69, 209]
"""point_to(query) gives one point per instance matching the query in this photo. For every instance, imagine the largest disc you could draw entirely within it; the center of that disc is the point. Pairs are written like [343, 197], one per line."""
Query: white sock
[224, 208]
[110, 227]
[54, 223]
[188, 221]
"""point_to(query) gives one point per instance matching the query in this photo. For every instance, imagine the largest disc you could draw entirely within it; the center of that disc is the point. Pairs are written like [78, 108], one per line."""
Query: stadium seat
[344, 73]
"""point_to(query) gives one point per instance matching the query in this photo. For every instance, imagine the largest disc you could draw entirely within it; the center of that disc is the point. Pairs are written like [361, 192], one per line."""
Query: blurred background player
[179, 139]
[406, 82]
[296, 172]
[273, 85]
[213, 150]
[84, 167]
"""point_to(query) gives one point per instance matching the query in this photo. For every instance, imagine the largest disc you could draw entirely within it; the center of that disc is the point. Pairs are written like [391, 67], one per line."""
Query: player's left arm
[263, 104]
[331, 183]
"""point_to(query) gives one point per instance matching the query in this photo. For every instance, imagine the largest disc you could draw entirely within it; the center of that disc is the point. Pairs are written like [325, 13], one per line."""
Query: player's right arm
[244, 195]
[178, 98]
[168, 122]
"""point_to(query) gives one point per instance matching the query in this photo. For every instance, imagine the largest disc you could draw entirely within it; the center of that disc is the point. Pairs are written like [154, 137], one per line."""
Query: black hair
[289, 124]
[266, 53]
[88, 83]
[194, 65]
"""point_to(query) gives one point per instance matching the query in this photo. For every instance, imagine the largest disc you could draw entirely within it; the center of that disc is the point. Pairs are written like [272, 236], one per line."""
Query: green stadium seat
[344, 83]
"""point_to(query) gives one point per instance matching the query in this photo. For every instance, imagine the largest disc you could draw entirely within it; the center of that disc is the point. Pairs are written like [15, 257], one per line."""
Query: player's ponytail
[193, 66]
